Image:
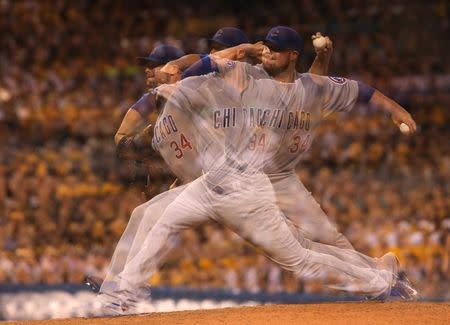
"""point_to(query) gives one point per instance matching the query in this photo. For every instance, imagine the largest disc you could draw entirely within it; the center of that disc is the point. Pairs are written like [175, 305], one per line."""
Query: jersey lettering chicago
[260, 123]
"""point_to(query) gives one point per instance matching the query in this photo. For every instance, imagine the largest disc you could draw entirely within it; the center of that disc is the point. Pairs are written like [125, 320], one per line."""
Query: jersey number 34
[184, 145]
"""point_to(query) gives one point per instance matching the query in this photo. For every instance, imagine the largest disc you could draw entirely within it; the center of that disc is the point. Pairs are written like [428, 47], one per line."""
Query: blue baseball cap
[284, 38]
[161, 55]
[229, 37]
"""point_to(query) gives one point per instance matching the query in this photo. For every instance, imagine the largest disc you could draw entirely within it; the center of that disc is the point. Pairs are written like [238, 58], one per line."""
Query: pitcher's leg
[187, 210]
[347, 255]
[142, 219]
[125, 243]
[263, 224]
[285, 250]
[151, 216]
[302, 209]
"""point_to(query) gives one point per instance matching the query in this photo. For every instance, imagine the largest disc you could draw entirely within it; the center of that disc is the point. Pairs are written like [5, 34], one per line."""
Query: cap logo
[219, 32]
[230, 65]
[274, 33]
[338, 80]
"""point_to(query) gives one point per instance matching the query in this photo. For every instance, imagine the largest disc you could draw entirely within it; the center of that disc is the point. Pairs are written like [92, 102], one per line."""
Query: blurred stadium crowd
[69, 74]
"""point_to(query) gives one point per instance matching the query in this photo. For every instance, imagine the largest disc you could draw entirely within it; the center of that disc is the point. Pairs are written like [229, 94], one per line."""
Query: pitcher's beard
[274, 70]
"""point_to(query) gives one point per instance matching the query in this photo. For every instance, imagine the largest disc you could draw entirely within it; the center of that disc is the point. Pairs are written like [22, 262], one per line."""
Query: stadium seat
[165, 305]
[208, 304]
[186, 304]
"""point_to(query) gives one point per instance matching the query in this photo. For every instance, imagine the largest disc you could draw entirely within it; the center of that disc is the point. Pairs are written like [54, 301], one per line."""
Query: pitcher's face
[276, 60]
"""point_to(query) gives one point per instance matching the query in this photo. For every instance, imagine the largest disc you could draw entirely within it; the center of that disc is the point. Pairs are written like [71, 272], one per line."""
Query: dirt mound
[336, 313]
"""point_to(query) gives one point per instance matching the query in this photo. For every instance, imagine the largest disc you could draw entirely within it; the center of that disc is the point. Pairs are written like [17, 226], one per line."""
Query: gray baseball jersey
[189, 145]
[282, 117]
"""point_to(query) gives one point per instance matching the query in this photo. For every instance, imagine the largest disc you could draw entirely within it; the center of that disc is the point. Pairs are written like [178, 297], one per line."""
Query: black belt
[241, 167]
[234, 164]
[218, 189]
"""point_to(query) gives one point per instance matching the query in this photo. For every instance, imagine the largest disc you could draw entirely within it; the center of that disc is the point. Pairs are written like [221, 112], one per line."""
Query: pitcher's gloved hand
[136, 147]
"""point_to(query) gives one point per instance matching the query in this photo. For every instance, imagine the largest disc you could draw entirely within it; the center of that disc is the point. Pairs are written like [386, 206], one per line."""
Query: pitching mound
[336, 313]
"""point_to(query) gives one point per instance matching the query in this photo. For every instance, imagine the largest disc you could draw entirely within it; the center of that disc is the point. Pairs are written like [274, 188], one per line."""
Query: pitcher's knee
[342, 242]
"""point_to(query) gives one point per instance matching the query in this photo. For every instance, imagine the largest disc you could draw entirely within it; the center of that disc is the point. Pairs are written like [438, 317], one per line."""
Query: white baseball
[404, 128]
[319, 42]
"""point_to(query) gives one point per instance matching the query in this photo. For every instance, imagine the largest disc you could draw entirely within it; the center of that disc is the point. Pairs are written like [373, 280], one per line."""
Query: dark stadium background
[68, 74]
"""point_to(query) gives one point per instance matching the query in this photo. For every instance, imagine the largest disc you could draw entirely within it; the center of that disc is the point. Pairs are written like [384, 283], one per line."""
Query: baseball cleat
[391, 264]
[93, 283]
[404, 289]
[388, 267]
[118, 303]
